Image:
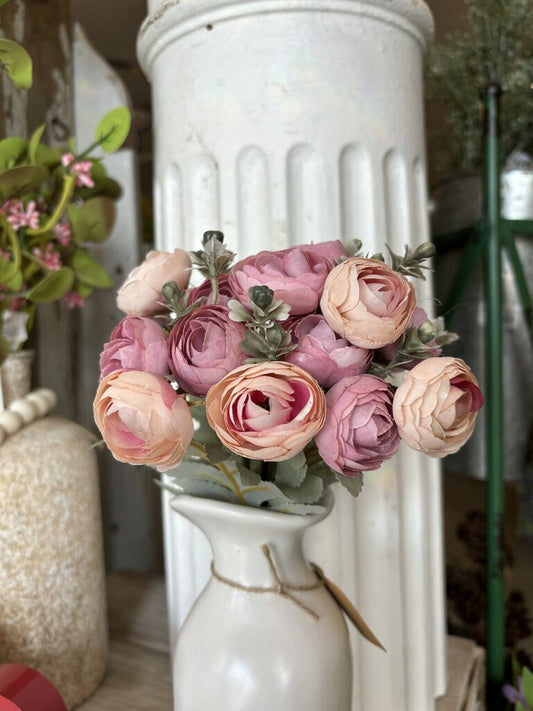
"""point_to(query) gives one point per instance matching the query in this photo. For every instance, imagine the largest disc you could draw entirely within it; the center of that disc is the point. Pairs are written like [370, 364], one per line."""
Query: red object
[25, 689]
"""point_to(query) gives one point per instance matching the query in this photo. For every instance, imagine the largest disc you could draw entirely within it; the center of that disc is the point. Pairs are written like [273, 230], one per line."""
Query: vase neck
[238, 535]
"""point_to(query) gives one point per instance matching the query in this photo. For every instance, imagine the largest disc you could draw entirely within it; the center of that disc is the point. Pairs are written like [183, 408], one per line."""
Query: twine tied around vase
[285, 590]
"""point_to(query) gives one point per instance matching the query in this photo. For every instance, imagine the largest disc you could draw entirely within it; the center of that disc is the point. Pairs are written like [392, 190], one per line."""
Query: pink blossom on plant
[359, 433]
[296, 275]
[203, 347]
[325, 355]
[136, 343]
[18, 216]
[49, 256]
[63, 233]
[80, 168]
[73, 300]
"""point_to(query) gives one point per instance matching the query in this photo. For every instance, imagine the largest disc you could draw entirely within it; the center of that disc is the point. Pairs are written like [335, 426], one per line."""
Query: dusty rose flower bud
[203, 347]
[136, 343]
[367, 303]
[436, 406]
[142, 419]
[296, 275]
[324, 354]
[140, 294]
[266, 411]
[359, 433]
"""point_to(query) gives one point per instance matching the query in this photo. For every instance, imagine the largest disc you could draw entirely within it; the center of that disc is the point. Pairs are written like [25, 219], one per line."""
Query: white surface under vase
[247, 644]
[283, 122]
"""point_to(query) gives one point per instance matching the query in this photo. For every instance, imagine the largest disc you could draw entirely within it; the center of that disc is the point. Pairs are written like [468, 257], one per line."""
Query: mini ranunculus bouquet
[279, 375]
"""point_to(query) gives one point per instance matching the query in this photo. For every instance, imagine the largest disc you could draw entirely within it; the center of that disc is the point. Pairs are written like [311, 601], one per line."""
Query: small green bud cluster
[265, 338]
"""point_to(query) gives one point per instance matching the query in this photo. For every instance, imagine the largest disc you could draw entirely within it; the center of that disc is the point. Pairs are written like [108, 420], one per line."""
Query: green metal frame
[485, 241]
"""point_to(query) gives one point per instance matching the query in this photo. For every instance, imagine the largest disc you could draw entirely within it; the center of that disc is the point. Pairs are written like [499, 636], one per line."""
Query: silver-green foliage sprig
[213, 260]
[265, 338]
[411, 264]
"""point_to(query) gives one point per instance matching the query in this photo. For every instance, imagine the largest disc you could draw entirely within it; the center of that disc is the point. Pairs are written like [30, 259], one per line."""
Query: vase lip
[187, 504]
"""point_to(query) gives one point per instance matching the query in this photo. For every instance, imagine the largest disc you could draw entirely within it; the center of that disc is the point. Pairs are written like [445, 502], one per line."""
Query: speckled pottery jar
[52, 602]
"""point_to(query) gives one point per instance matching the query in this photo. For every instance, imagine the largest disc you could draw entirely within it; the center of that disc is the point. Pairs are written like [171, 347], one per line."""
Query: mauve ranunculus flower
[136, 343]
[324, 354]
[367, 303]
[142, 419]
[205, 288]
[296, 275]
[203, 347]
[359, 433]
[140, 294]
[267, 411]
[436, 406]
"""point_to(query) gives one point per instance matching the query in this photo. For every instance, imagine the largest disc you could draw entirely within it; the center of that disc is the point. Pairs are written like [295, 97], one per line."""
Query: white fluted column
[288, 121]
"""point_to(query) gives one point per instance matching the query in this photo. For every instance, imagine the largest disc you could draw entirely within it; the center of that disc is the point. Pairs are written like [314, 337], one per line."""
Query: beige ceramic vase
[52, 601]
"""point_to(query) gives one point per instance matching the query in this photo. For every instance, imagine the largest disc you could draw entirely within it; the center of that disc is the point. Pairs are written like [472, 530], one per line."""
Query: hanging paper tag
[346, 605]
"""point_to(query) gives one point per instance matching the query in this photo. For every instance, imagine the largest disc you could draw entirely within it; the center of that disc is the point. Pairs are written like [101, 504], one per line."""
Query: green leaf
[17, 63]
[291, 472]
[84, 290]
[89, 272]
[44, 155]
[308, 492]
[53, 287]
[21, 180]
[113, 129]
[11, 151]
[34, 142]
[93, 220]
[353, 484]
[527, 680]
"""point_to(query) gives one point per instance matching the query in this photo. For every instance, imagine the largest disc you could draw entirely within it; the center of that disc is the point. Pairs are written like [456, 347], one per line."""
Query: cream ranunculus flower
[367, 303]
[142, 419]
[140, 294]
[266, 411]
[436, 405]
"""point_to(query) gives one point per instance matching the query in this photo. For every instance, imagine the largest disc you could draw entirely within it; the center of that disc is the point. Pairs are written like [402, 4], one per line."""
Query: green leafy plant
[53, 203]
[497, 46]
[16, 61]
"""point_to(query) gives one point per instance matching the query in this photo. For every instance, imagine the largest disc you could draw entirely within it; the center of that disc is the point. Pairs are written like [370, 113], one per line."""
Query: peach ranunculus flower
[268, 411]
[436, 405]
[142, 419]
[140, 294]
[367, 303]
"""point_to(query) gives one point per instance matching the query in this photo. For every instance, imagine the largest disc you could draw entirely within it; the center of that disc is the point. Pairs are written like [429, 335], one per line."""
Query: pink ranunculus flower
[296, 275]
[140, 294]
[136, 343]
[267, 411]
[204, 290]
[324, 354]
[436, 406]
[359, 433]
[203, 347]
[367, 303]
[142, 419]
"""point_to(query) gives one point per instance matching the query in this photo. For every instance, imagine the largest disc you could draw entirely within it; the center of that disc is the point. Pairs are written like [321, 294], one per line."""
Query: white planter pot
[289, 121]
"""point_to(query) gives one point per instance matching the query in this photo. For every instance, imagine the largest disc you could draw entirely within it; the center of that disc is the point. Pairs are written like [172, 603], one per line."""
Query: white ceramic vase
[242, 649]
